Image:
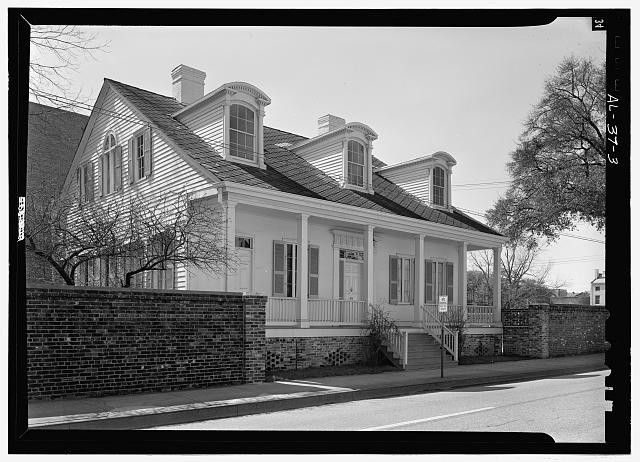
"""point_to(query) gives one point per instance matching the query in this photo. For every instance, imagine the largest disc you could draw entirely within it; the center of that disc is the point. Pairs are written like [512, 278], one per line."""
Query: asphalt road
[569, 408]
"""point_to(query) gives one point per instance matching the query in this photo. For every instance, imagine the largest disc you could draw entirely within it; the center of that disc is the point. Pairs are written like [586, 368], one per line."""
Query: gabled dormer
[341, 150]
[428, 178]
[229, 118]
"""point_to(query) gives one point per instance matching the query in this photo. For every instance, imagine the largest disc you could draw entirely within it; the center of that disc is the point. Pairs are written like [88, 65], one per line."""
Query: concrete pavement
[168, 408]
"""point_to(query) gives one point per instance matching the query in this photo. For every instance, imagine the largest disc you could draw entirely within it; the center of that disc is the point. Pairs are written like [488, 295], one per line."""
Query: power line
[588, 239]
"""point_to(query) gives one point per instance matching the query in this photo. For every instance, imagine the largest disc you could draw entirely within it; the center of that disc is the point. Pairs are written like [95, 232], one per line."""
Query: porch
[283, 311]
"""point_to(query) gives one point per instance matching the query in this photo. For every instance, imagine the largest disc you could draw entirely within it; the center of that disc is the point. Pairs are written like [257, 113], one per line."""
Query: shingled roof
[285, 170]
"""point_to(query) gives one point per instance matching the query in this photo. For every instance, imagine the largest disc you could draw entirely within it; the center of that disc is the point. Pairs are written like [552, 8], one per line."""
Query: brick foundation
[285, 353]
[543, 331]
[102, 341]
[480, 345]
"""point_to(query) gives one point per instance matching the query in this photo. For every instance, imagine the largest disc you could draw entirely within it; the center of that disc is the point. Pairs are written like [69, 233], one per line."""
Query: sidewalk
[168, 408]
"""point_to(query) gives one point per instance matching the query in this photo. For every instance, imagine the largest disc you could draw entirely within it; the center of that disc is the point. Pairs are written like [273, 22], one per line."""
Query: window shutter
[169, 277]
[92, 175]
[394, 281]
[131, 154]
[79, 183]
[148, 153]
[429, 283]
[117, 181]
[279, 271]
[101, 175]
[450, 281]
[314, 270]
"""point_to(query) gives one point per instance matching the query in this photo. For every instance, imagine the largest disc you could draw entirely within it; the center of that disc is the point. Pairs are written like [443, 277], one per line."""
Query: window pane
[250, 128]
[234, 109]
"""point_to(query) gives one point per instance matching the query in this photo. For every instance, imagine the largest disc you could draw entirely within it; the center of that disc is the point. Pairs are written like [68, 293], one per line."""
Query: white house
[597, 288]
[319, 225]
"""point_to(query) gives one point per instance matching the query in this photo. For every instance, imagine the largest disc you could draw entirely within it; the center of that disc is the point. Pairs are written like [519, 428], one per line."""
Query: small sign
[442, 303]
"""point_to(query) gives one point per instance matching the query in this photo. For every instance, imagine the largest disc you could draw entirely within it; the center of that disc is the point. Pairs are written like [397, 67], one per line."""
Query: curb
[175, 415]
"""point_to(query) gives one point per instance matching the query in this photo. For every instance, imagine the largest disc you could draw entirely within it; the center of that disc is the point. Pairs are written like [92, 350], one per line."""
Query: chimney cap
[184, 71]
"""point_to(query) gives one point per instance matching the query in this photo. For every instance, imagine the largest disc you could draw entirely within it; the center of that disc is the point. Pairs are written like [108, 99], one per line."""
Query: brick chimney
[328, 123]
[188, 84]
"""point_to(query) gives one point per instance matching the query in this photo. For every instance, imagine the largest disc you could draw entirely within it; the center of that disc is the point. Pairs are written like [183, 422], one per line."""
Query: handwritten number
[612, 130]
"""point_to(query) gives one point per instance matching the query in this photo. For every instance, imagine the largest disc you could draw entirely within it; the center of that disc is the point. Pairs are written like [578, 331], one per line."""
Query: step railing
[398, 342]
[430, 321]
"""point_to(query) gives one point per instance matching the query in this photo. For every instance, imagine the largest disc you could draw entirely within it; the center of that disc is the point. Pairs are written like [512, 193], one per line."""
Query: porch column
[369, 259]
[418, 285]
[303, 268]
[497, 303]
[230, 244]
[462, 279]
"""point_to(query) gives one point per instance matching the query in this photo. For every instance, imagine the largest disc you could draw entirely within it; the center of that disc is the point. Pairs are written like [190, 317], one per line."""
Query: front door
[352, 273]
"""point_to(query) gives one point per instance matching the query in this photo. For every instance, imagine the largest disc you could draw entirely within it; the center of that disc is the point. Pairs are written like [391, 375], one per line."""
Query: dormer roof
[228, 88]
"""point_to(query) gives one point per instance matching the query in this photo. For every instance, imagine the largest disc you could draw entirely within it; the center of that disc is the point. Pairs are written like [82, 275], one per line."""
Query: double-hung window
[242, 132]
[438, 186]
[355, 163]
[438, 280]
[140, 155]
[285, 269]
[401, 277]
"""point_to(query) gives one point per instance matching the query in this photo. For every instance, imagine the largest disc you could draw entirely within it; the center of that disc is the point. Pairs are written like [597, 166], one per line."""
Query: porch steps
[424, 353]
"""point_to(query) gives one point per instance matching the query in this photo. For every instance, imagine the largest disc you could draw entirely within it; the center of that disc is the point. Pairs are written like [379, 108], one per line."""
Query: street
[570, 408]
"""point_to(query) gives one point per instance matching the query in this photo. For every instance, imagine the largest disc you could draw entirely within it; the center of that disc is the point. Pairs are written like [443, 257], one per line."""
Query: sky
[465, 91]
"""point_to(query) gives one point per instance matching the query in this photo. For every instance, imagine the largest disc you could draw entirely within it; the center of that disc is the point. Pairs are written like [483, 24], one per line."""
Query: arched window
[242, 132]
[438, 186]
[110, 166]
[355, 163]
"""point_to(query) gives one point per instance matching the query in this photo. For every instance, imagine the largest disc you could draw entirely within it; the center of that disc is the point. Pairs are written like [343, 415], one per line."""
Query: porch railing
[282, 311]
[432, 322]
[478, 314]
[455, 316]
[332, 312]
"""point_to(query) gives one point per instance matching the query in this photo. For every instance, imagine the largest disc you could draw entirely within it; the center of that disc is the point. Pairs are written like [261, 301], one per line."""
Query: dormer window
[242, 132]
[438, 186]
[355, 163]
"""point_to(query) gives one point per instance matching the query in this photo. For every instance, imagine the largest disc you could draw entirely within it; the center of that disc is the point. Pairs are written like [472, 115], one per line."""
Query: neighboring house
[570, 298]
[597, 289]
[52, 139]
[319, 225]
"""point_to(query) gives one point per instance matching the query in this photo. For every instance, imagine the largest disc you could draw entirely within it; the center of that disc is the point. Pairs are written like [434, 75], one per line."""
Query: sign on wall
[443, 300]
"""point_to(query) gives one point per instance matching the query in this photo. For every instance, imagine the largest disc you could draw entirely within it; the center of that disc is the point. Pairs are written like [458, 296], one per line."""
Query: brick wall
[301, 352]
[480, 345]
[542, 331]
[104, 341]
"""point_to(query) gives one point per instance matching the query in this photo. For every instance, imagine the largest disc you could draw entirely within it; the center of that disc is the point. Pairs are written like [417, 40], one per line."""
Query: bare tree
[124, 237]
[521, 277]
[55, 53]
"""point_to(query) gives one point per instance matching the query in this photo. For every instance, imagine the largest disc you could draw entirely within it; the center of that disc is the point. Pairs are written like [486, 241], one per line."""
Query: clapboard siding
[171, 173]
[326, 158]
[418, 188]
[208, 125]
[332, 165]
